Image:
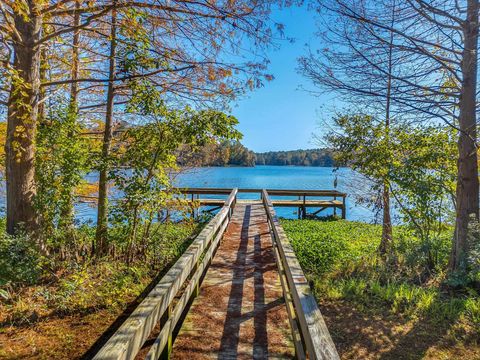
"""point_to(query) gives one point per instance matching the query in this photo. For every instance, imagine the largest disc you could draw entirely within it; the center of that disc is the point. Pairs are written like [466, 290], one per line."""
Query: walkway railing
[159, 306]
[168, 302]
[310, 333]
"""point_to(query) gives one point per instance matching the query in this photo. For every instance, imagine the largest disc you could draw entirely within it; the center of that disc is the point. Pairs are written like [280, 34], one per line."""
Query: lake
[281, 177]
[272, 177]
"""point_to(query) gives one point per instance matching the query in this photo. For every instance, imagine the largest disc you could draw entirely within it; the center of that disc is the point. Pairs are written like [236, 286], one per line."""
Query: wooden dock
[317, 200]
[241, 305]
[238, 292]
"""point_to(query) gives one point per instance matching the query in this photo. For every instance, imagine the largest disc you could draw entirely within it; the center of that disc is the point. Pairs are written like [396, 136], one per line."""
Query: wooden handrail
[126, 342]
[271, 192]
[308, 326]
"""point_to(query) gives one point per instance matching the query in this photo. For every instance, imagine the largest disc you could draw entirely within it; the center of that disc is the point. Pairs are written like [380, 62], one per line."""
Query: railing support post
[304, 209]
[196, 292]
[168, 349]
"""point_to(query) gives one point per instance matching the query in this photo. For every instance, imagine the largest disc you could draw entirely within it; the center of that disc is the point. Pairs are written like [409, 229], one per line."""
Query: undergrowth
[340, 259]
[34, 286]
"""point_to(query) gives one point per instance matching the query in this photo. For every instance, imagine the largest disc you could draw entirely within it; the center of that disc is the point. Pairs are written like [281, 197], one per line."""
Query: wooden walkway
[240, 313]
[237, 292]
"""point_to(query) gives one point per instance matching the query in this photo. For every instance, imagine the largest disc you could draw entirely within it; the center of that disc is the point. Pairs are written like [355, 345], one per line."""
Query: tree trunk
[22, 122]
[387, 236]
[102, 215]
[467, 181]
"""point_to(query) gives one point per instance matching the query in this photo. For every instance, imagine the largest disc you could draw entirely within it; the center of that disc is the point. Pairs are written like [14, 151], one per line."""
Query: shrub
[20, 262]
[97, 286]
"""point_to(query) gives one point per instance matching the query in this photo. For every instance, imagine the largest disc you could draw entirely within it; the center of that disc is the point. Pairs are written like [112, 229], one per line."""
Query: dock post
[196, 292]
[344, 209]
[168, 348]
[334, 208]
[299, 210]
[193, 208]
[304, 209]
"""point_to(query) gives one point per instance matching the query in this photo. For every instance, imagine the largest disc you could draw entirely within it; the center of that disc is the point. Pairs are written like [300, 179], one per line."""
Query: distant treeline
[227, 153]
[310, 157]
[233, 153]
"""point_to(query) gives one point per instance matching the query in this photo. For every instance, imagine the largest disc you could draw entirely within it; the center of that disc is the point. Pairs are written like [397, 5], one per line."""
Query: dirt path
[240, 313]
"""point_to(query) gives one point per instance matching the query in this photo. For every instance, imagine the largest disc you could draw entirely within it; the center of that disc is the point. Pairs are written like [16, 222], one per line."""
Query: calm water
[281, 177]
[272, 177]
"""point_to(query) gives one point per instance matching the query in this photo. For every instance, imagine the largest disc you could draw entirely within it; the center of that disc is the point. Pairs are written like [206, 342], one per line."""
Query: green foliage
[103, 285]
[473, 259]
[404, 298]
[420, 174]
[424, 177]
[62, 159]
[325, 246]
[422, 257]
[145, 158]
[364, 143]
[310, 157]
[141, 162]
[340, 259]
[225, 153]
[349, 247]
[108, 284]
[20, 262]
[469, 275]
[83, 287]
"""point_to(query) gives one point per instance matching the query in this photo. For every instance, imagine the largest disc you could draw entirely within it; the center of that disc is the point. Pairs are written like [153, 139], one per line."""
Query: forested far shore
[234, 153]
[309, 157]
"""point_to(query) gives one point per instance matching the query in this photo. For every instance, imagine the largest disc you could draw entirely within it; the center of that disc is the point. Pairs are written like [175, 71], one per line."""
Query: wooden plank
[162, 338]
[318, 342]
[125, 343]
[240, 312]
[208, 202]
[271, 192]
[230, 202]
[292, 317]
[320, 193]
[307, 203]
[279, 203]
[207, 191]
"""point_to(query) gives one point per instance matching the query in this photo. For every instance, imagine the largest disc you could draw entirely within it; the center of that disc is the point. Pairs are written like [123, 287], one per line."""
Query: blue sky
[281, 116]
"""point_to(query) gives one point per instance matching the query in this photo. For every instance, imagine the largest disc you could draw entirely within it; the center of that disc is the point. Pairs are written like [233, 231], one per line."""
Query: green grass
[340, 259]
[327, 246]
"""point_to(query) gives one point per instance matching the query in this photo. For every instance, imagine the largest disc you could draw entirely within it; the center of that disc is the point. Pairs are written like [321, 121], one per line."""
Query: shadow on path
[231, 329]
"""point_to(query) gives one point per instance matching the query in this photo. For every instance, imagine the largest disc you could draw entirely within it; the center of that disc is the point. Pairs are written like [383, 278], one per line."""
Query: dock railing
[311, 337]
[159, 305]
[303, 199]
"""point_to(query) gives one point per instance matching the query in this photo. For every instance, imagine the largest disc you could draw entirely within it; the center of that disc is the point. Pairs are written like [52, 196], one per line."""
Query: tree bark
[102, 214]
[387, 236]
[467, 182]
[23, 106]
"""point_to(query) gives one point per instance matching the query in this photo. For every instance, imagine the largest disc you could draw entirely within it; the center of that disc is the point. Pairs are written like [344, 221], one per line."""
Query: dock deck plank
[240, 312]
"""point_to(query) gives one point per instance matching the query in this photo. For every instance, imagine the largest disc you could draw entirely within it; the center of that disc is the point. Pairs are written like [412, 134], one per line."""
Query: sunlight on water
[282, 177]
[268, 177]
